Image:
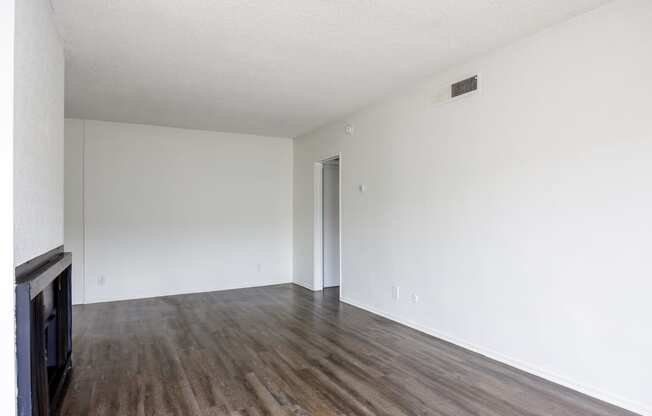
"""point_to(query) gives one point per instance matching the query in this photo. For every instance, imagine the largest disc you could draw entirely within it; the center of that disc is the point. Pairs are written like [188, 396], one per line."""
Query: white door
[331, 223]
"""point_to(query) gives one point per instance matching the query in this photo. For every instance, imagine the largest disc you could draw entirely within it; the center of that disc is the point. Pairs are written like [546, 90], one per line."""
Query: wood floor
[282, 350]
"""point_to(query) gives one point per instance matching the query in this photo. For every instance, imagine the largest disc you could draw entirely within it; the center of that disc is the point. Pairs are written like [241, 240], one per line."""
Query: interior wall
[74, 203]
[7, 311]
[38, 131]
[519, 215]
[169, 211]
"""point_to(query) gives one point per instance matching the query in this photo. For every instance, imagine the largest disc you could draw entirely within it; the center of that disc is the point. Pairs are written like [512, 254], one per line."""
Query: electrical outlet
[101, 281]
[259, 267]
[415, 298]
[396, 292]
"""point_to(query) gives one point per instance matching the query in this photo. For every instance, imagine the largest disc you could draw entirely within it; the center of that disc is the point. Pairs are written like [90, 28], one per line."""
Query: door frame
[318, 221]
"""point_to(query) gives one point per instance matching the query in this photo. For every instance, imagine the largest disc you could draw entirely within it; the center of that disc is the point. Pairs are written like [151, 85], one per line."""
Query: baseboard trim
[615, 400]
[305, 286]
[187, 292]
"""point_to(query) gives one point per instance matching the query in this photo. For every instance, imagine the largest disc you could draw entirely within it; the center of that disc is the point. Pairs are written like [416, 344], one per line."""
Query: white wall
[7, 311]
[74, 203]
[520, 215]
[38, 131]
[170, 211]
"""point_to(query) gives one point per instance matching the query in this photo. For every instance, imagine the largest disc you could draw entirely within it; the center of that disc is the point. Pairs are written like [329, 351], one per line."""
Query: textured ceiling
[272, 67]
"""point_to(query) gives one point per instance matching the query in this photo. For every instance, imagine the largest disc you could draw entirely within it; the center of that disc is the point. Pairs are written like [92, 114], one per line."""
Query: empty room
[326, 207]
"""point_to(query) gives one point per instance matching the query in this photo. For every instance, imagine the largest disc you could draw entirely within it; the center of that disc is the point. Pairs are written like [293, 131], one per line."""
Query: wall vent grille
[464, 87]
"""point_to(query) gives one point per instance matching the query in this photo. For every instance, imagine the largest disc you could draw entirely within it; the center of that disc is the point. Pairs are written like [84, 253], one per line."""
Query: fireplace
[43, 331]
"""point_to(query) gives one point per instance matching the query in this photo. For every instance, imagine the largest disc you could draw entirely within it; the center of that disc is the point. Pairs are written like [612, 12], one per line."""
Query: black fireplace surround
[43, 331]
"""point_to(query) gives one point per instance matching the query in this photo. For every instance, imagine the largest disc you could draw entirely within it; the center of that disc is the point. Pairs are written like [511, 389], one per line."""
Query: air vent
[464, 87]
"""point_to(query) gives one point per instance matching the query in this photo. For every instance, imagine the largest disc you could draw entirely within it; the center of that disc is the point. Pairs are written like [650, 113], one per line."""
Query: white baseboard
[630, 405]
[305, 286]
[183, 292]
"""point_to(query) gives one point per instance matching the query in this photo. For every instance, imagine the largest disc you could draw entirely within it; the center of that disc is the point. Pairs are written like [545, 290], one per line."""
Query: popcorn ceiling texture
[278, 68]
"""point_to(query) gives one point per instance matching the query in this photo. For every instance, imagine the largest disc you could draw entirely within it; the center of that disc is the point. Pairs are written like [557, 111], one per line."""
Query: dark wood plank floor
[282, 350]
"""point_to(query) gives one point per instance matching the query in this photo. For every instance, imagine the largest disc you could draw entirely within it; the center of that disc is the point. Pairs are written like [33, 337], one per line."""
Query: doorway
[331, 223]
[327, 227]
